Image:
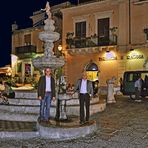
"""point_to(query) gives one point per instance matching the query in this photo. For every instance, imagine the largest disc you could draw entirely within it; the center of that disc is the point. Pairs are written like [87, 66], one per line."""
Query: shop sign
[135, 56]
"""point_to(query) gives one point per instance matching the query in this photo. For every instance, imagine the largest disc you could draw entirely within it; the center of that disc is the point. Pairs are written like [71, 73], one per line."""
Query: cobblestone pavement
[122, 125]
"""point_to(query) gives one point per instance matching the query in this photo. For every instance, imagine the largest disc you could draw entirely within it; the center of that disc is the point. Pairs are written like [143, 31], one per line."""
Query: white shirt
[138, 84]
[48, 84]
[83, 88]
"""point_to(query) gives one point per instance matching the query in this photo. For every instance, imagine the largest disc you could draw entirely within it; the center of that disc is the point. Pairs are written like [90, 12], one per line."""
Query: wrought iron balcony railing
[25, 49]
[93, 41]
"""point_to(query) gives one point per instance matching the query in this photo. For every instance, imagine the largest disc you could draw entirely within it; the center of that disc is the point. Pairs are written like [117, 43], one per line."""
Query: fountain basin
[52, 62]
[49, 36]
[63, 130]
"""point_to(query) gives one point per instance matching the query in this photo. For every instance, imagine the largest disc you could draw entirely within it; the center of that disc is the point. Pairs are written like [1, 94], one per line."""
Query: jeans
[45, 104]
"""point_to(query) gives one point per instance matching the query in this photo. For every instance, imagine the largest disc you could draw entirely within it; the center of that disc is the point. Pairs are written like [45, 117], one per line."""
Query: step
[19, 135]
[24, 101]
[31, 101]
[56, 130]
[23, 108]
[25, 94]
[13, 116]
[18, 129]
[29, 112]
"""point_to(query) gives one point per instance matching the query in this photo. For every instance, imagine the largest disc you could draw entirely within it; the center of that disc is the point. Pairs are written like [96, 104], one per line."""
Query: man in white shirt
[85, 90]
[46, 93]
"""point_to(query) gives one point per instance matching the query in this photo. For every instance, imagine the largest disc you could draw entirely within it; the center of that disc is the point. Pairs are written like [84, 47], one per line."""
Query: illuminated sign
[135, 55]
[108, 56]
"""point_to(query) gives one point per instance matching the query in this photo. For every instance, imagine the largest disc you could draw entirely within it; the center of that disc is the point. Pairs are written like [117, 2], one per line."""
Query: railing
[90, 42]
[25, 49]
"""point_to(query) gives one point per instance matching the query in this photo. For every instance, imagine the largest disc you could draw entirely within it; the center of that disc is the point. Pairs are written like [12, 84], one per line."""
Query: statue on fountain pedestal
[110, 90]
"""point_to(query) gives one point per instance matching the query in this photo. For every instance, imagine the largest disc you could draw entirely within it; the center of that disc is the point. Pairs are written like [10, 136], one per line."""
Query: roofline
[84, 5]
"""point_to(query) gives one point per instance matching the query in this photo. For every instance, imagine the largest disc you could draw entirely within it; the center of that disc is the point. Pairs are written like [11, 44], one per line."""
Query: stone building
[27, 45]
[111, 33]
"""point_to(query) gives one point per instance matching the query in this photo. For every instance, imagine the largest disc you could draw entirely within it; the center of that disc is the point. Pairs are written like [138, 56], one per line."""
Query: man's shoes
[87, 121]
[138, 100]
[81, 122]
[46, 121]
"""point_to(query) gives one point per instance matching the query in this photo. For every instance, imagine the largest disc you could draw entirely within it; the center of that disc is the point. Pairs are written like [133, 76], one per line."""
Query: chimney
[14, 26]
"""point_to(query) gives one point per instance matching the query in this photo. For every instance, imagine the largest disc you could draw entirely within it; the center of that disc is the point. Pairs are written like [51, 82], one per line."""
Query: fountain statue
[48, 36]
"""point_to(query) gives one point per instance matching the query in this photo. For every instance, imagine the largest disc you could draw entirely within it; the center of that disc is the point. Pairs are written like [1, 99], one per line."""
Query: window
[132, 77]
[103, 31]
[27, 69]
[27, 39]
[80, 29]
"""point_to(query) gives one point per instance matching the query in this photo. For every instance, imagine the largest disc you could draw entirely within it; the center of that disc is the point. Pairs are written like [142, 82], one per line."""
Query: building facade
[111, 33]
[26, 44]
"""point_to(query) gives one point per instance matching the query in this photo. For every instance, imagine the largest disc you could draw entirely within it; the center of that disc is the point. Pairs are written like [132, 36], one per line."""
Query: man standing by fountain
[46, 93]
[85, 90]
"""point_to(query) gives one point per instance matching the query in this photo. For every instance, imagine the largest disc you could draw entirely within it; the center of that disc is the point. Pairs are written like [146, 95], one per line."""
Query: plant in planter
[145, 30]
[69, 39]
[113, 37]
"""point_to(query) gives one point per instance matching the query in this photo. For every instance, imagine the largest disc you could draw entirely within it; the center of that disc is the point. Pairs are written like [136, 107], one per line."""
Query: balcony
[89, 44]
[25, 51]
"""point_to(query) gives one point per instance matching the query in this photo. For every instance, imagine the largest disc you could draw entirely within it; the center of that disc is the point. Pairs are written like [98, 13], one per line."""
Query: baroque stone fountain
[48, 36]
[55, 129]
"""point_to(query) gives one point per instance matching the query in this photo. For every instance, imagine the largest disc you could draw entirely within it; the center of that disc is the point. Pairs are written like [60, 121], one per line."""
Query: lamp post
[60, 47]
[60, 50]
[59, 53]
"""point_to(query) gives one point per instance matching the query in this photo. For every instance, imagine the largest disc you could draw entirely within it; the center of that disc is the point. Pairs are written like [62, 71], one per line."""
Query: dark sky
[19, 11]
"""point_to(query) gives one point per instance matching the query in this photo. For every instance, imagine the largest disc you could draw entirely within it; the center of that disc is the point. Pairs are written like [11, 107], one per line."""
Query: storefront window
[27, 69]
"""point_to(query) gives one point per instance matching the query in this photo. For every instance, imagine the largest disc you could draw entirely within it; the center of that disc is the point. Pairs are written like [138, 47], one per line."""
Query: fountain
[56, 129]
[48, 36]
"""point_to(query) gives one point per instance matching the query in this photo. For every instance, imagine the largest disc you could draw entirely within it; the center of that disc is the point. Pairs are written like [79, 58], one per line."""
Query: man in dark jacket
[85, 90]
[46, 93]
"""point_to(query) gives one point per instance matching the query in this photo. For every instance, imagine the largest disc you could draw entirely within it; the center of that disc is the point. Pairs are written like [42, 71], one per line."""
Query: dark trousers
[84, 100]
[137, 93]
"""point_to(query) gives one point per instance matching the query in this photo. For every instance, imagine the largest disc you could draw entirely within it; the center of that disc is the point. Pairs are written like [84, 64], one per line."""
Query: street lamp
[60, 47]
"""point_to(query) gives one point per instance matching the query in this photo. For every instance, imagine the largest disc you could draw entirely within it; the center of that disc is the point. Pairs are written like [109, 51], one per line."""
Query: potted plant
[69, 39]
[145, 30]
[113, 37]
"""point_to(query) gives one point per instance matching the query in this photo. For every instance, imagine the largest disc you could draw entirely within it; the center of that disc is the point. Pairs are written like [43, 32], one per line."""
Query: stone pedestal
[110, 91]
[65, 130]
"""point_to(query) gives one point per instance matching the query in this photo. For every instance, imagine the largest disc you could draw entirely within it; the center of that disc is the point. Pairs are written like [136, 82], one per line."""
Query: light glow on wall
[110, 55]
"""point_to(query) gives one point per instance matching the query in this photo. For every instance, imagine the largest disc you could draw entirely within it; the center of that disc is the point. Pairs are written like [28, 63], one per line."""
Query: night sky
[19, 11]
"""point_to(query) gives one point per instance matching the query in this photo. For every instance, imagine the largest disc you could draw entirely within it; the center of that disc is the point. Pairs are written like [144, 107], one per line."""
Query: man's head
[47, 71]
[84, 75]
